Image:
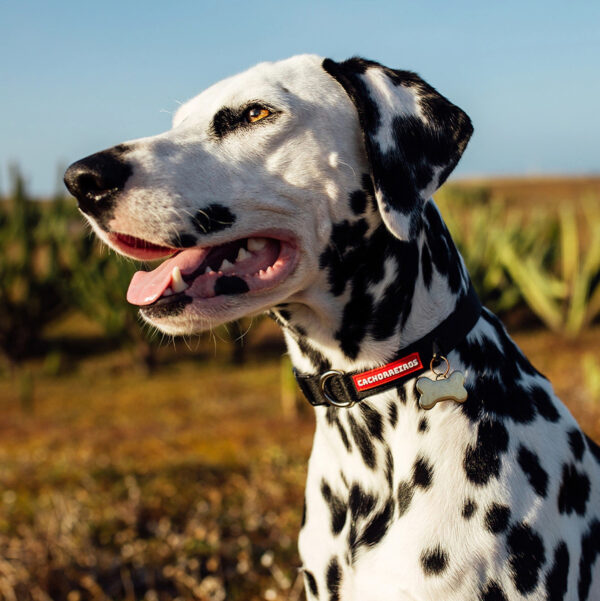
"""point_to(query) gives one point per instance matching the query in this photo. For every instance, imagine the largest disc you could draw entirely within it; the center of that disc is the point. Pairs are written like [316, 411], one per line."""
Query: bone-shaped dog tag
[445, 389]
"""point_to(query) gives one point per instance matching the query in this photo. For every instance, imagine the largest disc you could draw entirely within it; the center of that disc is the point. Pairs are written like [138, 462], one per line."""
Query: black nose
[95, 180]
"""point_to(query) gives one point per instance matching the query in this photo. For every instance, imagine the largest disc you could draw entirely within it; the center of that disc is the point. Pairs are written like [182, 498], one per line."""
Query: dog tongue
[148, 286]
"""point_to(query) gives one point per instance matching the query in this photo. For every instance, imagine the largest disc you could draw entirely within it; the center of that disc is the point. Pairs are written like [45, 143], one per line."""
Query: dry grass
[185, 485]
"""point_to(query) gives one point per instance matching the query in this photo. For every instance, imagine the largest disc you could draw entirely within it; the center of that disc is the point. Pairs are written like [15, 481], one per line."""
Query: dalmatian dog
[303, 188]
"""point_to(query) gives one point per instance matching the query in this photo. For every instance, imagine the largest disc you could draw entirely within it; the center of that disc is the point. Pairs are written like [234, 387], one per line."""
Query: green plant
[30, 269]
[546, 259]
[474, 228]
[561, 289]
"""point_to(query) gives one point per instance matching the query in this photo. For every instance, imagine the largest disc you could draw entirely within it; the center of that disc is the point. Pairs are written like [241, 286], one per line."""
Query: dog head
[241, 196]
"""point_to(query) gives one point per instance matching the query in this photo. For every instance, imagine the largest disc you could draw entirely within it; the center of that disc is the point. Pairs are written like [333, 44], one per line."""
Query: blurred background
[133, 466]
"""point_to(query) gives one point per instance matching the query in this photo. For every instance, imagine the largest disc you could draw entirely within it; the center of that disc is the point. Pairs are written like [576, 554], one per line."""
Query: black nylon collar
[342, 389]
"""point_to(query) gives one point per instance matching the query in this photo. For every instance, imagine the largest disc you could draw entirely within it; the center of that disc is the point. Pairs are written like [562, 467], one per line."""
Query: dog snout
[95, 180]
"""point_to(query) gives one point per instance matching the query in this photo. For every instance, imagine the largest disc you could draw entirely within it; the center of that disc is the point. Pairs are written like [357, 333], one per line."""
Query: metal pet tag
[443, 388]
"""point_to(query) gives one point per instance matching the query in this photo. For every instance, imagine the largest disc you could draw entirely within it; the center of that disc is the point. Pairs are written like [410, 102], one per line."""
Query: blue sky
[81, 76]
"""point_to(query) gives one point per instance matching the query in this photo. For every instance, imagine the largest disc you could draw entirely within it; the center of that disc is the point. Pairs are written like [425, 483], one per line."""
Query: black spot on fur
[557, 577]
[377, 526]
[361, 502]
[286, 315]
[469, 508]
[537, 476]
[389, 467]
[213, 218]
[544, 404]
[363, 442]
[527, 556]
[395, 304]
[401, 390]
[423, 425]
[405, 495]
[497, 389]
[312, 583]
[316, 357]
[343, 435]
[318, 360]
[574, 490]
[393, 413]
[443, 251]
[490, 393]
[333, 579]
[422, 473]
[358, 202]
[230, 284]
[337, 508]
[333, 419]
[493, 592]
[303, 518]
[276, 317]
[483, 460]
[497, 517]
[169, 309]
[367, 184]
[576, 443]
[225, 121]
[354, 260]
[342, 257]
[434, 561]
[590, 551]
[373, 420]
[354, 326]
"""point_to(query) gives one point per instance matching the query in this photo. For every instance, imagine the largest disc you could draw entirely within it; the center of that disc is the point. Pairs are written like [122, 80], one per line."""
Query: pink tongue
[148, 286]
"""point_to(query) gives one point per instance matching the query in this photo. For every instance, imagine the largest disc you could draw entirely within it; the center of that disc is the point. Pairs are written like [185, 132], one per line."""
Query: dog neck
[377, 295]
[381, 294]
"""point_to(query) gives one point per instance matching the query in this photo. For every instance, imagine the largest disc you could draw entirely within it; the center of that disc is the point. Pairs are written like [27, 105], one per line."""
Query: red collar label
[387, 373]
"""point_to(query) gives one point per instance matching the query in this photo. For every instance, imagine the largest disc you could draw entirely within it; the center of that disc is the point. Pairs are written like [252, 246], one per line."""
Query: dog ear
[413, 137]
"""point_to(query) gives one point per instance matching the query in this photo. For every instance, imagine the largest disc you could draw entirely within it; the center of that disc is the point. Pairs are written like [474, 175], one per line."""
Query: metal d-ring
[439, 375]
[323, 379]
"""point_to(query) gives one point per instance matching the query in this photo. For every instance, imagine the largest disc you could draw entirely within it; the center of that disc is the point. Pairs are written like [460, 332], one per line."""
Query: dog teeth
[225, 265]
[242, 254]
[256, 244]
[208, 270]
[167, 292]
[177, 283]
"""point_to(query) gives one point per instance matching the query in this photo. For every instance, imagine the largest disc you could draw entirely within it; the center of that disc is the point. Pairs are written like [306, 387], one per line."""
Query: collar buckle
[331, 399]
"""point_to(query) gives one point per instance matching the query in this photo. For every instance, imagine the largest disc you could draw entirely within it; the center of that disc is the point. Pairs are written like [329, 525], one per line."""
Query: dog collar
[344, 389]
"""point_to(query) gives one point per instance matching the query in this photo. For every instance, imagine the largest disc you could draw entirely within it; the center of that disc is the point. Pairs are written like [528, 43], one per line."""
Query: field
[185, 481]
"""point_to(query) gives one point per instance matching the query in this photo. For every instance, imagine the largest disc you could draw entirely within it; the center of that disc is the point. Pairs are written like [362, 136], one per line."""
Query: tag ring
[439, 375]
[322, 381]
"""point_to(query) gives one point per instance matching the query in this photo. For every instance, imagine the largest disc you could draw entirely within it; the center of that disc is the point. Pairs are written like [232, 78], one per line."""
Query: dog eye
[256, 113]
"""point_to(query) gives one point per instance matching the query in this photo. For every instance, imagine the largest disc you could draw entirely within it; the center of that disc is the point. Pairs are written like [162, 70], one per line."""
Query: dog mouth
[243, 266]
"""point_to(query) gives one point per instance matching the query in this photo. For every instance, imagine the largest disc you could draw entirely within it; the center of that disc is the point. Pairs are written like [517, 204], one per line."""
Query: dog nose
[94, 180]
